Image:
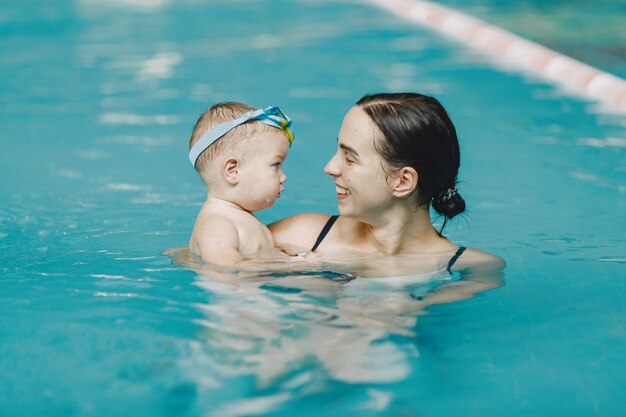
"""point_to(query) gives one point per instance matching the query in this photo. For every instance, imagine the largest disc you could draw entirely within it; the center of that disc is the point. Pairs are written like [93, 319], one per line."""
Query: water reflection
[147, 5]
[602, 142]
[297, 330]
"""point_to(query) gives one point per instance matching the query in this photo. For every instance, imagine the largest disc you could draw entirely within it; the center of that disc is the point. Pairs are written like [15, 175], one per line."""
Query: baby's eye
[277, 165]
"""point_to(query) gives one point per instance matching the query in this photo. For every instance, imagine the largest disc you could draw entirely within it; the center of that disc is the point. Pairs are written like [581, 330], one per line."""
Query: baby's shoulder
[215, 224]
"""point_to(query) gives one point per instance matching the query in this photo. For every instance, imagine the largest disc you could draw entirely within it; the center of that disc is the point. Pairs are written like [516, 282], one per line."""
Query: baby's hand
[298, 257]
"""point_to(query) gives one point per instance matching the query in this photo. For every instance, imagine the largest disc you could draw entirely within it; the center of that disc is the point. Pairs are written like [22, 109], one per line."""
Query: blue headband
[271, 116]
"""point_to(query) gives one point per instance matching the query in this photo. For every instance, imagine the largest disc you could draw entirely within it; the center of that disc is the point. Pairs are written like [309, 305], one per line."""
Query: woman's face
[361, 184]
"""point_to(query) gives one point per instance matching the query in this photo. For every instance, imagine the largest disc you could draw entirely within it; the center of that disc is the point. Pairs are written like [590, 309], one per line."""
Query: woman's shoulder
[298, 231]
[299, 221]
[476, 258]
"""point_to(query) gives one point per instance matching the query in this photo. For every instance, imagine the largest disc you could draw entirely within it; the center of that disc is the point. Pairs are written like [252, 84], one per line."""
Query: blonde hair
[232, 140]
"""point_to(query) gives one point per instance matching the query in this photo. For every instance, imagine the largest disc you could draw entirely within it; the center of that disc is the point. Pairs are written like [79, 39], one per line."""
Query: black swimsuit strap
[324, 231]
[458, 253]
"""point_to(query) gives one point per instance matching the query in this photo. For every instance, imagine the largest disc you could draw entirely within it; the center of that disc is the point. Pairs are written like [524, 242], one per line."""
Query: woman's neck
[405, 231]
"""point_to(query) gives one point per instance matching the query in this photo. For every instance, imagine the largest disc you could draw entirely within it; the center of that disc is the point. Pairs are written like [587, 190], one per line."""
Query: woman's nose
[332, 167]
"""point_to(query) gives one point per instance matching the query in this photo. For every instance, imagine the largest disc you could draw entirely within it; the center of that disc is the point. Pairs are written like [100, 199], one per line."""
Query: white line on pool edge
[570, 74]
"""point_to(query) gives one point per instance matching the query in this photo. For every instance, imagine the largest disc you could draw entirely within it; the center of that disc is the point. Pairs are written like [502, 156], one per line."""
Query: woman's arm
[298, 233]
[479, 271]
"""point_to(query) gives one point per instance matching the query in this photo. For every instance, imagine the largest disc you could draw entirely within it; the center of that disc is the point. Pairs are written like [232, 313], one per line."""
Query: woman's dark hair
[418, 132]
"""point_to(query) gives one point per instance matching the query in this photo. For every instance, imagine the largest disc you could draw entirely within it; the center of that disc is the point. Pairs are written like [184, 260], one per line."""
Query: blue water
[97, 100]
[591, 32]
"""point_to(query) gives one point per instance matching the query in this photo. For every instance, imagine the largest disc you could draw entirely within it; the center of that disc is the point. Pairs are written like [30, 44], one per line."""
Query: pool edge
[573, 76]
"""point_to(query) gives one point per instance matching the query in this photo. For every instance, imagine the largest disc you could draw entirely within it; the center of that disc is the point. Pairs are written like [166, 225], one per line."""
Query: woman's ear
[231, 170]
[405, 182]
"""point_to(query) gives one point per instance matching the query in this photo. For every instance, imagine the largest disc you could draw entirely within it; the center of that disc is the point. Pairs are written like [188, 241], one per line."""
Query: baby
[239, 152]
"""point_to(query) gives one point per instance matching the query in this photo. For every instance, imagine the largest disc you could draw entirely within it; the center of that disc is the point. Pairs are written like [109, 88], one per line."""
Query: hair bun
[449, 202]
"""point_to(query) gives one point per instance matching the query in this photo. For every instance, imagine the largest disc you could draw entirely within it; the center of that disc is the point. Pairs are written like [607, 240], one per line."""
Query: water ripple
[602, 143]
[137, 119]
[617, 259]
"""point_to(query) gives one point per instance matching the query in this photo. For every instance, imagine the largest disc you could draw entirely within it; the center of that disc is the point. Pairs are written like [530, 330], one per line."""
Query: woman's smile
[342, 192]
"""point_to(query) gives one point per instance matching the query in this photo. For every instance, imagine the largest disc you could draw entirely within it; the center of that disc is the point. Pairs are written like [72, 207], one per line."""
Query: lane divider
[572, 75]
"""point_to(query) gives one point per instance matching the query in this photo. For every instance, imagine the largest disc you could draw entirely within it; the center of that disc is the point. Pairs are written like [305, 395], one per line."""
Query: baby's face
[261, 173]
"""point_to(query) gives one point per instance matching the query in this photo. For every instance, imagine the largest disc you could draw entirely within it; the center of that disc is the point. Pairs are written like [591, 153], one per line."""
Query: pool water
[97, 102]
[588, 31]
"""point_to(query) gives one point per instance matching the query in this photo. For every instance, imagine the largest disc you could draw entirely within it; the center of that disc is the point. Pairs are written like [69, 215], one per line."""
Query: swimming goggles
[271, 116]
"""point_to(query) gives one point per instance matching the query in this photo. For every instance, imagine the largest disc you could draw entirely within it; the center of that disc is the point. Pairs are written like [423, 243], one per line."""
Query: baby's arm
[218, 242]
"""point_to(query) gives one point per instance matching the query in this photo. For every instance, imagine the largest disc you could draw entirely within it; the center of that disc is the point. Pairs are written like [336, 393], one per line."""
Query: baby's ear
[231, 170]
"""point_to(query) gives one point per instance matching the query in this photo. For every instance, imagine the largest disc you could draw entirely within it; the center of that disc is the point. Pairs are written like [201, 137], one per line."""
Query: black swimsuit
[334, 218]
[324, 231]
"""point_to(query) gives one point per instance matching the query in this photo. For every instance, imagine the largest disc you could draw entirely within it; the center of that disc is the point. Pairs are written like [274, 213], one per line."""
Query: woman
[397, 155]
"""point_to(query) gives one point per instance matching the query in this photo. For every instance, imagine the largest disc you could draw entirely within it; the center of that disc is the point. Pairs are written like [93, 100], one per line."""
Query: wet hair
[215, 115]
[417, 132]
